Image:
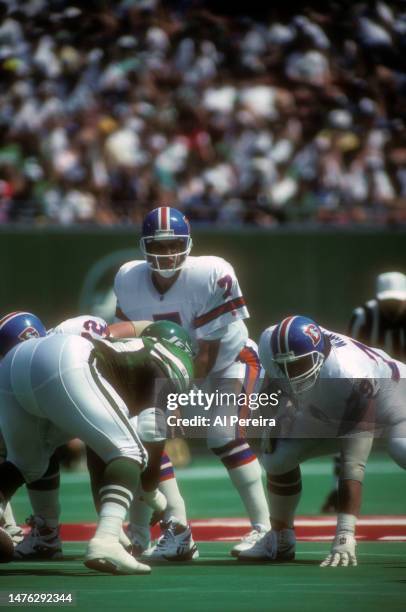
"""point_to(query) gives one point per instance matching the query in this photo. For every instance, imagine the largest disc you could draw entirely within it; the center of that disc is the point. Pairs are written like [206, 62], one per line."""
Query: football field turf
[218, 582]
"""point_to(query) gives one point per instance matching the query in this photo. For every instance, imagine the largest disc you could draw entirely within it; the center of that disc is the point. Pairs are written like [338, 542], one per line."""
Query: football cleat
[104, 555]
[15, 532]
[42, 542]
[175, 544]
[249, 540]
[273, 546]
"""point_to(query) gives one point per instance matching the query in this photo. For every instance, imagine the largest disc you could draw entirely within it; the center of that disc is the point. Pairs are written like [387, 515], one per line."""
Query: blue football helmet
[18, 326]
[298, 348]
[160, 227]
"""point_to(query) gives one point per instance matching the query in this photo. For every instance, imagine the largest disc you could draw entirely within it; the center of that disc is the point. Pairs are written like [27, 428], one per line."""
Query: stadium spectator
[109, 109]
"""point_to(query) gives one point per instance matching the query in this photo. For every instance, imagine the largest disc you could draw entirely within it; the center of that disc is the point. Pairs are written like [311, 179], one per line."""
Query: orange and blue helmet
[163, 226]
[299, 349]
[16, 327]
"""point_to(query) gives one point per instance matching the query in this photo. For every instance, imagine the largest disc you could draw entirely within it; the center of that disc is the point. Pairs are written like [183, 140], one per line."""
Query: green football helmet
[172, 333]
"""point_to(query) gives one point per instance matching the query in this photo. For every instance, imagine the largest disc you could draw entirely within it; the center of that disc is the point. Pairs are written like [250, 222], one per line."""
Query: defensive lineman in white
[203, 295]
[57, 387]
[340, 393]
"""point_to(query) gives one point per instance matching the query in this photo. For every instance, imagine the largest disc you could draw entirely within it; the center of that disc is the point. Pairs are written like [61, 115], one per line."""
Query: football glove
[342, 551]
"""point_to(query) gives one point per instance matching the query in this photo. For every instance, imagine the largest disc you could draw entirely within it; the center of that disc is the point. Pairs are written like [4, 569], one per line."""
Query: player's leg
[168, 485]
[282, 464]
[27, 456]
[176, 541]
[11, 479]
[89, 408]
[8, 521]
[234, 450]
[43, 541]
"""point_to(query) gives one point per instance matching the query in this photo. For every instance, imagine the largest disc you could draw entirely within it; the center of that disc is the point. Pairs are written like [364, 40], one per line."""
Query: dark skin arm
[349, 497]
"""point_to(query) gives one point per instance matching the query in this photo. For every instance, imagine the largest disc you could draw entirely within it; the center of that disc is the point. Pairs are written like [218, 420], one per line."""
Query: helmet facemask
[301, 372]
[165, 264]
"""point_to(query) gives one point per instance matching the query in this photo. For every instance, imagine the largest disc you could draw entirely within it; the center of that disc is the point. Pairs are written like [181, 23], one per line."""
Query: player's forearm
[349, 496]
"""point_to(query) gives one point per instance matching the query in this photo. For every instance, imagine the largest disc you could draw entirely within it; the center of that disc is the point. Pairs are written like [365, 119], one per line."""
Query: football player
[335, 394]
[92, 384]
[42, 541]
[203, 295]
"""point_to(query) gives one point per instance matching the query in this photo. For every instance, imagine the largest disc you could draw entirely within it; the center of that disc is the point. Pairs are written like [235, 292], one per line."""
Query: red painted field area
[385, 528]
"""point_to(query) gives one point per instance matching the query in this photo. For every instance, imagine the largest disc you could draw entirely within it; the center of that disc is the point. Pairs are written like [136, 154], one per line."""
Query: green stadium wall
[60, 273]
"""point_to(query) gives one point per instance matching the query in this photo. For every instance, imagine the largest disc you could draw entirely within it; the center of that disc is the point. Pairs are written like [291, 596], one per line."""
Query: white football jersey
[351, 375]
[87, 326]
[205, 299]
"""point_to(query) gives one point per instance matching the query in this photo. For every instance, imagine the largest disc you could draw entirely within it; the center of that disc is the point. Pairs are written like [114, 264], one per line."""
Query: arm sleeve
[225, 303]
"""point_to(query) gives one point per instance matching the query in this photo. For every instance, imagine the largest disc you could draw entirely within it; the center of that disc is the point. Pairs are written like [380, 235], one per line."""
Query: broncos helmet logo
[27, 333]
[313, 332]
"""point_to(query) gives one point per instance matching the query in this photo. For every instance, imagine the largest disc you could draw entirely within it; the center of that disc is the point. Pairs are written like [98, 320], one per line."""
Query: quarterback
[203, 295]
[339, 393]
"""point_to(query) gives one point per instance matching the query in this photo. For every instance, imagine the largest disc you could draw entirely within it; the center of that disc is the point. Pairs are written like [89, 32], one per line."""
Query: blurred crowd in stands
[108, 109]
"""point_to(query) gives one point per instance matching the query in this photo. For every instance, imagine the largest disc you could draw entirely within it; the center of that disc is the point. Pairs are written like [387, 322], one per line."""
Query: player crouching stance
[335, 393]
[58, 387]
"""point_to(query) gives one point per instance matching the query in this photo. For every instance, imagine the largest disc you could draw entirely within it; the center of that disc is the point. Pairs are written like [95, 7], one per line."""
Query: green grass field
[216, 582]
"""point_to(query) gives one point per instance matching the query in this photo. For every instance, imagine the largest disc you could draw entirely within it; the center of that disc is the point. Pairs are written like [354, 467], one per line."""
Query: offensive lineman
[203, 295]
[338, 392]
[58, 387]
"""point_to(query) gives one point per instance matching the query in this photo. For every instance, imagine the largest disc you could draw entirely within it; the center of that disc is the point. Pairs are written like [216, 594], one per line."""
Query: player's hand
[342, 551]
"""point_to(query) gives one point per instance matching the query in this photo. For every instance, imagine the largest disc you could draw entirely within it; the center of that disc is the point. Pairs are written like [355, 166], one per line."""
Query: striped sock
[166, 469]
[284, 495]
[169, 487]
[245, 474]
[115, 502]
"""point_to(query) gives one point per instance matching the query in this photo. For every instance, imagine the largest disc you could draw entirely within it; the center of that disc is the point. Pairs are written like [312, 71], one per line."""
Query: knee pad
[286, 484]
[278, 462]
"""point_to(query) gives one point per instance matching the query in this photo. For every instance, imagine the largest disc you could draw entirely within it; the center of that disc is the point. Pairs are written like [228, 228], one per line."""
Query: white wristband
[346, 522]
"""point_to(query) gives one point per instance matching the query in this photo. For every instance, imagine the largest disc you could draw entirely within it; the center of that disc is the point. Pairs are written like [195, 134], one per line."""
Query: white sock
[247, 479]
[115, 502]
[140, 517]
[175, 504]
[155, 499]
[8, 516]
[46, 505]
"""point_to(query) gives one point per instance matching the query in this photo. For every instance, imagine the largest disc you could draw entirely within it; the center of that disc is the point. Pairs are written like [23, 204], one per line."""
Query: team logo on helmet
[27, 333]
[313, 332]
